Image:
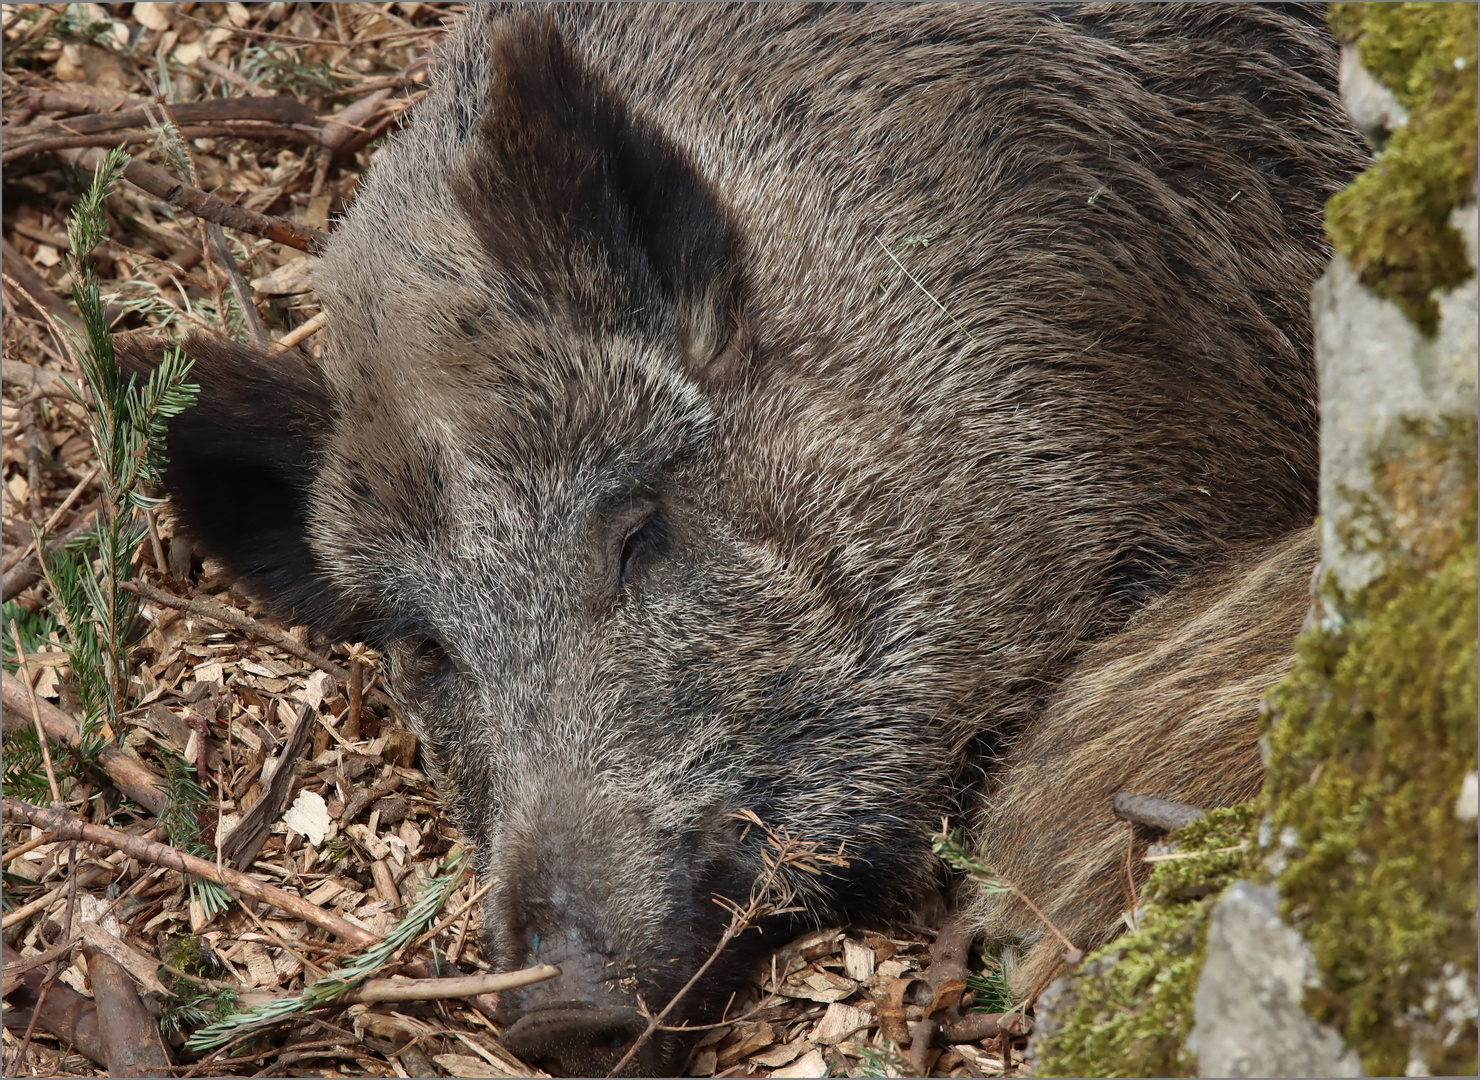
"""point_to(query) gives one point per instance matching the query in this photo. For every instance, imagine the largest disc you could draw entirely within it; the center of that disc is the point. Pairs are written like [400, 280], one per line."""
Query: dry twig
[302, 333]
[1154, 813]
[770, 893]
[66, 826]
[162, 185]
[135, 779]
[243, 293]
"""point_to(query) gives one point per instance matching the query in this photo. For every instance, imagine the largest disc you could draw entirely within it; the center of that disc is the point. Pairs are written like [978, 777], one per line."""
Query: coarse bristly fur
[644, 449]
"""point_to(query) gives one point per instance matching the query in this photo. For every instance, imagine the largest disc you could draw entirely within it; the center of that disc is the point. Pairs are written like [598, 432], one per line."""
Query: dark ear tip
[138, 351]
[523, 28]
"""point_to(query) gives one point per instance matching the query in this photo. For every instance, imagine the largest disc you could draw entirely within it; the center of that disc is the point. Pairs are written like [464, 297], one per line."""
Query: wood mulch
[363, 832]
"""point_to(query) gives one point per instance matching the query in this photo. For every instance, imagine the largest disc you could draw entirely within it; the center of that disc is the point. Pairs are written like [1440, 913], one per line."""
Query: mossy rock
[1127, 1011]
[1392, 222]
[1374, 733]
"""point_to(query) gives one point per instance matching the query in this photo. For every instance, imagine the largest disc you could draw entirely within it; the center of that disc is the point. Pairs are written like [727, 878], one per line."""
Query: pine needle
[334, 986]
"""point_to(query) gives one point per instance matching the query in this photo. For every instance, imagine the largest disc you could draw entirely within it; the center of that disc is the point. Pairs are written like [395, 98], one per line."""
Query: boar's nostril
[574, 1039]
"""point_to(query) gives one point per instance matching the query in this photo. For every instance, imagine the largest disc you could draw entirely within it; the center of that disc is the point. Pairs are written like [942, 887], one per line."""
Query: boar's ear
[241, 461]
[592, 204]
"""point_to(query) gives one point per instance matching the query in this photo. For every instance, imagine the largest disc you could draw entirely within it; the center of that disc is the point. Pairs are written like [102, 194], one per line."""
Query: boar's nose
[575, 1039]
[581, 1022]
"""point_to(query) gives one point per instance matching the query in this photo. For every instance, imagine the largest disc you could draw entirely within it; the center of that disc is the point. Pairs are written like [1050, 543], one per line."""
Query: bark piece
[129, 1035]
[1155, 813]
[244, 842]
[133, 777]
[66, 1013]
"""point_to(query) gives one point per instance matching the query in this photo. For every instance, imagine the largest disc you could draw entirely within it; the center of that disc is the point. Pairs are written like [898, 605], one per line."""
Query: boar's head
[531, 470]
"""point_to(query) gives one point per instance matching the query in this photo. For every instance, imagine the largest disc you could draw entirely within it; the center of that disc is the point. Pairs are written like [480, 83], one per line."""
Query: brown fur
[667, 494]
[1169, 706]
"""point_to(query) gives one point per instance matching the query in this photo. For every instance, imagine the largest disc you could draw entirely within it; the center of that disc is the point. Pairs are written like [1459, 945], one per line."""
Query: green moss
[1392, 222]
[1373, 733]
[1128, 1010]
[191, 955]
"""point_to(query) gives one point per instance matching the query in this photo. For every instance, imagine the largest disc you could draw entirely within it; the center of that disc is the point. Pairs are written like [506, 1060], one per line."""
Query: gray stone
[1249, 1020]
[1377, 370]
[1372, 106]
[1467, 806]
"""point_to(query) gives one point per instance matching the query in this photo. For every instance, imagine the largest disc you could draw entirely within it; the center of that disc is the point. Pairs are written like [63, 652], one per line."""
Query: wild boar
[763, 408]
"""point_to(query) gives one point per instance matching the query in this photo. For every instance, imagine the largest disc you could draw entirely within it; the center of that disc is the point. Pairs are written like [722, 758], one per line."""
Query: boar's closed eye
[428, 660]
[649, 535]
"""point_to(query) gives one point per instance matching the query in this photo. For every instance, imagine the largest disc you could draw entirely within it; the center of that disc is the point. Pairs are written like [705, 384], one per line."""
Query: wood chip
[292, 277]
[810, 1065]
[893, 969]
[783, 1054]
[858, 960]
[462, 1065]
[309, 817]
[259, 964]
[744, 1042]
[838, 1023]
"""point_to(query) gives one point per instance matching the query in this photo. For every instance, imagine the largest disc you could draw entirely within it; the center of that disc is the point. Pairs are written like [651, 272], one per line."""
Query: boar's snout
[590, 882]
[582, 1022]
[574, 1039]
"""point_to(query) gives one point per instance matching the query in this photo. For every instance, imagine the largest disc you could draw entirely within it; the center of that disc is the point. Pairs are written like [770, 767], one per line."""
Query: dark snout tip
[575, 1039]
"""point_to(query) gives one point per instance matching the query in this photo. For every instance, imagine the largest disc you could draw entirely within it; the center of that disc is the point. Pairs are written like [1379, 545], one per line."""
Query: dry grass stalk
[771, 893]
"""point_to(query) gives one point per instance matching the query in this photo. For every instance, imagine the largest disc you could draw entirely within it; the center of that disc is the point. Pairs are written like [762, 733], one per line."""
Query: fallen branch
[1154, 813]
[89, 875]
[282, 109]
[238, 621]
[30, 282]
[14, 969]
[974, 1026]
[163, 185]
[406, 79]
[948, 966]
[64, 102]
[925, 1032]
[243, 293]
[234, 129]
[27, 572]
[347, 980]
[132, 777]
[65, 1013]
[11, 854]
[25, 911]
[440, 989]
[302, 333]
[37, 380]
[24, 670]
[65, 826]
[129, 1035]
[411, 31]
